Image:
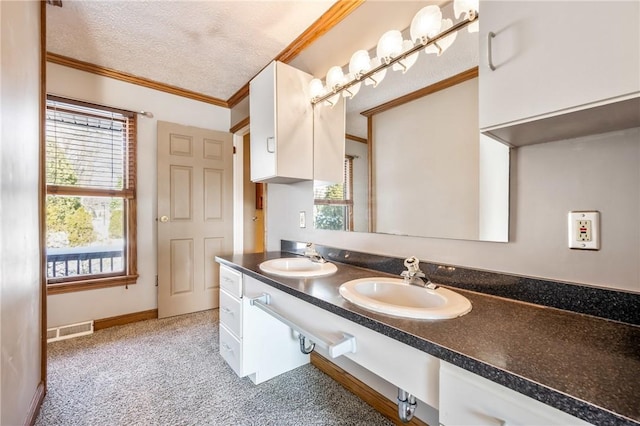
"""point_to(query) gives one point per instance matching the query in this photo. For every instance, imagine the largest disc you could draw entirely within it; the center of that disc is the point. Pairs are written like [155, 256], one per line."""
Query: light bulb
[406, 63]
[335, 77]
[315, 88]
[377, 77]
[444, 43]
[462, 7]
[359, 63]
[389, 45]
[426, 24]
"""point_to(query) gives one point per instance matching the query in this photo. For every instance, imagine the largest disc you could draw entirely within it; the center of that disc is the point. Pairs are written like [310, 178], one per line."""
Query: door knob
[255, 218]
[164, 219]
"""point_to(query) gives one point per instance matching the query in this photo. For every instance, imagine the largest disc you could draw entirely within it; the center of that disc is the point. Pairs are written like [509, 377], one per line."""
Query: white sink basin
[392, 296]
[299, 267]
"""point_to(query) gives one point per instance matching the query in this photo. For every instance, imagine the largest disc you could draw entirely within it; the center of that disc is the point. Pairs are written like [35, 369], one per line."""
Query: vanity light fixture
[428, 30]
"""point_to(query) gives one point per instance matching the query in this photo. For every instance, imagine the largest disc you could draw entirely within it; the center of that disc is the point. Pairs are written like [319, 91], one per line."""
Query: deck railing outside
[66, 262]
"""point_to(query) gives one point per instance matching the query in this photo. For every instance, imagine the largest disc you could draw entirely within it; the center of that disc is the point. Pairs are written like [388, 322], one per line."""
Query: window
[333, 203]
[90, 196]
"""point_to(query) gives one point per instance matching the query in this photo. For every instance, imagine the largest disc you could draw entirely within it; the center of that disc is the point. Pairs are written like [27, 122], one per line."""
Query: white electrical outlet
[584, 230]
[303, 219]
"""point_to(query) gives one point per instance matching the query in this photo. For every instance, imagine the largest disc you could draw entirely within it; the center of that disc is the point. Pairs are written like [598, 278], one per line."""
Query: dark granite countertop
[585, 366]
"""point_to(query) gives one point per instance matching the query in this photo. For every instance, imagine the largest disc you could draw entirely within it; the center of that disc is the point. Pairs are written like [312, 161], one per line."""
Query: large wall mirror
[415, 163]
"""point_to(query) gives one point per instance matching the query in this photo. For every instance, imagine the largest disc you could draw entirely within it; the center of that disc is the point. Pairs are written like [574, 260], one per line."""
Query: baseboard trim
[372, 397]
[103, 323]
[36, 403]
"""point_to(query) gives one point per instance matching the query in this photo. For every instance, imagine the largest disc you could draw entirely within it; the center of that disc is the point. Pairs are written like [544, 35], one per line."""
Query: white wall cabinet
[281, 125]
[553, 59]
[468, 399]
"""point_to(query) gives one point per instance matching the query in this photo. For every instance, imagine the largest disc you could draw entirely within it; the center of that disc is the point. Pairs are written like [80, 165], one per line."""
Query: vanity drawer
[231, 350]
[468, 399]
[231, 312]
[231, 281]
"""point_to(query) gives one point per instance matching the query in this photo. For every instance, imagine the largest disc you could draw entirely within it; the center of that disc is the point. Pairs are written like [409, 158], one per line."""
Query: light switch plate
[584, 230]
[303, 219]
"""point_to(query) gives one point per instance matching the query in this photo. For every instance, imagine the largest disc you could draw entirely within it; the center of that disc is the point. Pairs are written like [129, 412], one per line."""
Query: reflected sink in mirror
[297, 267]
[393, 296]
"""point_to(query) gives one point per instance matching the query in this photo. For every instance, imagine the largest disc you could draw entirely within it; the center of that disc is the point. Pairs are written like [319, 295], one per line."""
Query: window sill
[91, 284]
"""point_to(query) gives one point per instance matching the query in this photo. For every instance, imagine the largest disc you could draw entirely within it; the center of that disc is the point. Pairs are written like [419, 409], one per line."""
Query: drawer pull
[271, 145]
[226, 347]
[227, 310]
[343, 346]
[490, 37]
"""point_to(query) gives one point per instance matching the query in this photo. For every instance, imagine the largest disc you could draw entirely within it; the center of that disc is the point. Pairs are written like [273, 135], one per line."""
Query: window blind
[337, 193]
[88, 147]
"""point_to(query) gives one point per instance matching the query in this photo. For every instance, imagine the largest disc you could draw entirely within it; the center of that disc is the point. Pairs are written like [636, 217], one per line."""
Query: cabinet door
[294, 124]
[552, 56]
[468, 399]
[262, 111]
[281, 125]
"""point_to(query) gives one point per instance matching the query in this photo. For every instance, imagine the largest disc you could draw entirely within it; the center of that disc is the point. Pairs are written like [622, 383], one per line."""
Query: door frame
[238, 188]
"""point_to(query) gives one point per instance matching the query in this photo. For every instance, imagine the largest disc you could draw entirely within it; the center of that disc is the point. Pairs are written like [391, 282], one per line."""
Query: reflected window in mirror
[333, 202]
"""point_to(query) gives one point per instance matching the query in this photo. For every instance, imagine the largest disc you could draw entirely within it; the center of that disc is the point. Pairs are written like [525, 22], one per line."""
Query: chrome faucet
[414, 276]
[313, 255]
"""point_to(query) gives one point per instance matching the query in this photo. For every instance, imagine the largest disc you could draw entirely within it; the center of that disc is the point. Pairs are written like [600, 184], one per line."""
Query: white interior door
[195, 216]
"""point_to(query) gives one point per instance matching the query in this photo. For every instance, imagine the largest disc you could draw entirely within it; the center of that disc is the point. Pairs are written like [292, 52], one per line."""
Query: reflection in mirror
[415, 163]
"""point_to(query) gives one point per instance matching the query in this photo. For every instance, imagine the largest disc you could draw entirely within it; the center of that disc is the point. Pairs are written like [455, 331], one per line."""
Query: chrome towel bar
[345, 345]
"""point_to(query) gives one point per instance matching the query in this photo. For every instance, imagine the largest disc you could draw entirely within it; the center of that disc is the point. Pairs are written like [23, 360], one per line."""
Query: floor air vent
[69, 331]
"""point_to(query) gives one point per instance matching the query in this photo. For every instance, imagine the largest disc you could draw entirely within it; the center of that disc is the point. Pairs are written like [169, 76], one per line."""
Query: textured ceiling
[211, 47]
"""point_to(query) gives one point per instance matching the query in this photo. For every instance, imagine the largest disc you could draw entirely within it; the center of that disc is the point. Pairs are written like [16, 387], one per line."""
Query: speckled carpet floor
[169, 372]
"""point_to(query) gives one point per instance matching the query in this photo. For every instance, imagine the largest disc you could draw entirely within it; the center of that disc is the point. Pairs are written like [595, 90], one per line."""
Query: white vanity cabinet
[281, 125]
[556, 58]
[251, 342]
[231, 320]
[404, 366]
[468, 399]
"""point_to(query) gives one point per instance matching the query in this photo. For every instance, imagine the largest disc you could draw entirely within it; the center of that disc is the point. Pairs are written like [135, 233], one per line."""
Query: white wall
[20, 294]
[103, 303]
[598, 172]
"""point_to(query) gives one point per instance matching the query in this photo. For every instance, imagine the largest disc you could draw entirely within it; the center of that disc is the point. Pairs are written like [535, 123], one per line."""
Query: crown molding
[336, 13]
[239, 125]
[436, 87]
[66, 61]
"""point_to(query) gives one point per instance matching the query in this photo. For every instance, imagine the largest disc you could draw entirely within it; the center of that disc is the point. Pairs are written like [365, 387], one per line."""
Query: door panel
[181, 181]
[195, 212]
[181, 266]
[213, 194]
